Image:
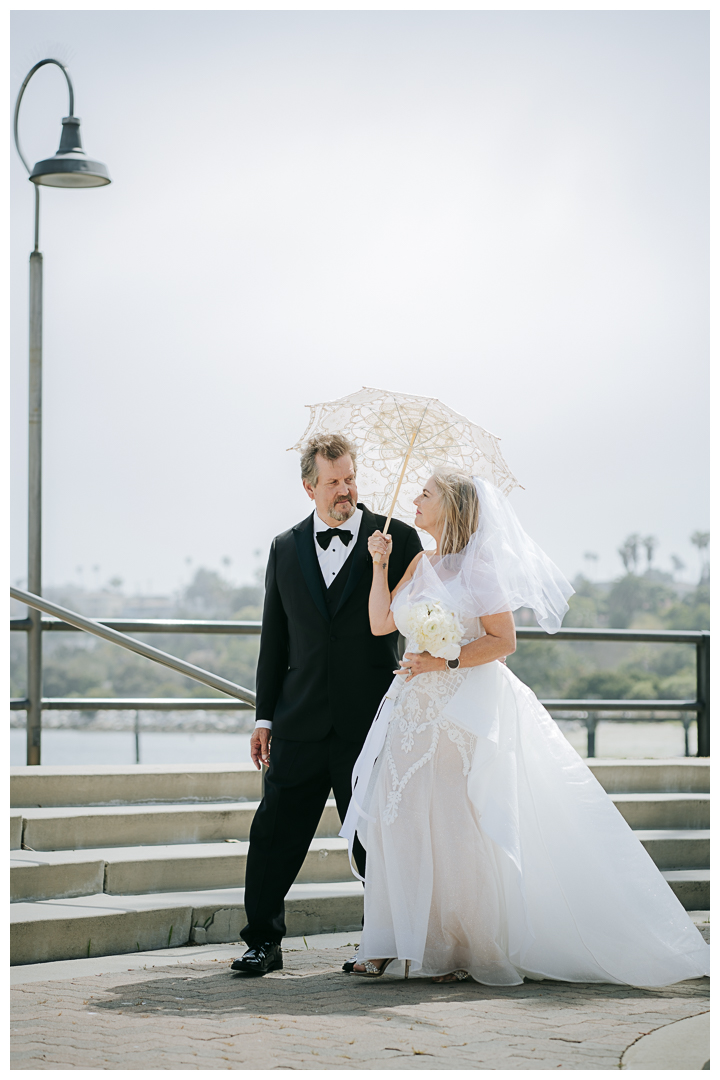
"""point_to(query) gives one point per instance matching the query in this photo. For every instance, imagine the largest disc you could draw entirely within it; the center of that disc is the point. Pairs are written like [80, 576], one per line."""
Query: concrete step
[16, 825]
[156, 868]
[107, 785]
[122, 859]
[55, 875]
[74, 827]
[103, 925]
[665, 775]
[677, 849]
[692, 887]
[664, 810]
[165, 867]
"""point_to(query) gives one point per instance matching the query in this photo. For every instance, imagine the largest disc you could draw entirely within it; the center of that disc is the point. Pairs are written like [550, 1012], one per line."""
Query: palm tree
[629, 553]
[626, 556]
[649, 543]
[678, 564]
[701, 540]
[591, 556]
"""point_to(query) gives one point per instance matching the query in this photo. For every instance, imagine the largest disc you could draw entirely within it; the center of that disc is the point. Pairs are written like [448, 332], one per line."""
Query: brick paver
[312, 1016]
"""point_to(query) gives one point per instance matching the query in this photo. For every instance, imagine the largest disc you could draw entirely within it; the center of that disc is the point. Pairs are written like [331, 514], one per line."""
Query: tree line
[76, 665]
[637, 600]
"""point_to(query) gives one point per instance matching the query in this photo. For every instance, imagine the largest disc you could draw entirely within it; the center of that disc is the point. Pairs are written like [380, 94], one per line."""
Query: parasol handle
[402, 476]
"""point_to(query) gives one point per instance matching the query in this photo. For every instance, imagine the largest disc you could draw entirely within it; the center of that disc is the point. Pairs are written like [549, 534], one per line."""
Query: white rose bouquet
[434, 629]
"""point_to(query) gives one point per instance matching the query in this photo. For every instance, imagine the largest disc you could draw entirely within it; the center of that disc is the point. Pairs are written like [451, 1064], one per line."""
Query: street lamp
[70, 167]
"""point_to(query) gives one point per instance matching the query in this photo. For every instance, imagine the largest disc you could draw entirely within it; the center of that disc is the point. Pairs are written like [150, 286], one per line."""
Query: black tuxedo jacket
[316, 671]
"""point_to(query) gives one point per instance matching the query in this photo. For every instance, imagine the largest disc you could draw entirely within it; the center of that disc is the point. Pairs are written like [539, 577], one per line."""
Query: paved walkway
[185, 1010]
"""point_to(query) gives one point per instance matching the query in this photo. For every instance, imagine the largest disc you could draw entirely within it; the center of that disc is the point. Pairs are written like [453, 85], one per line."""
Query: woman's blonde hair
[461, 506]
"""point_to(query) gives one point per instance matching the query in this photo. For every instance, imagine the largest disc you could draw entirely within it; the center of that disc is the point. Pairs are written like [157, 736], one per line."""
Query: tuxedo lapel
[307, 557]
[360, 554]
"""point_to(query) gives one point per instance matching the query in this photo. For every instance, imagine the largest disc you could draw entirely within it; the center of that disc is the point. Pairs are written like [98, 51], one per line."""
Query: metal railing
[241, 698]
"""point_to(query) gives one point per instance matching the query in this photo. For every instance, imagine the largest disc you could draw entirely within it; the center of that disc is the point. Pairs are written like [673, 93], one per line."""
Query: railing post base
[34, 690]
[703, 695]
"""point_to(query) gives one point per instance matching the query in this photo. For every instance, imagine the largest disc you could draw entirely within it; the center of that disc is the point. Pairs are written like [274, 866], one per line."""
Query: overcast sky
[504, 210]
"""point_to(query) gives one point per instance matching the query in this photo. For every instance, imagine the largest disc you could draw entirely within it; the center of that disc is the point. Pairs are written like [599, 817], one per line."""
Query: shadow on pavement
[298, 992]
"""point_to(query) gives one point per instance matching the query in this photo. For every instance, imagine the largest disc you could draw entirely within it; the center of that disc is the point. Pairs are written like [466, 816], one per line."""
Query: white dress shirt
[331, 561]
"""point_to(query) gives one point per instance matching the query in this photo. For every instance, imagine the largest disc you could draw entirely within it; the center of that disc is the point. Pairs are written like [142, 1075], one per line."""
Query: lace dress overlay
[432, 889]
[418, 721]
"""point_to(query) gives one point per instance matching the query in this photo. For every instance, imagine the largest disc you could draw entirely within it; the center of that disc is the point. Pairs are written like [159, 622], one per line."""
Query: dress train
[491, 846]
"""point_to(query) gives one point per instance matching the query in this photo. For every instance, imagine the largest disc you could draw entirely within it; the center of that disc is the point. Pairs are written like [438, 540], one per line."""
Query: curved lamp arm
[28, 77]
[71, 112]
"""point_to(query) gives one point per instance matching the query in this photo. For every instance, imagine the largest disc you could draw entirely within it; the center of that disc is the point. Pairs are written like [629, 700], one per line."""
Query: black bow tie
[324, 538]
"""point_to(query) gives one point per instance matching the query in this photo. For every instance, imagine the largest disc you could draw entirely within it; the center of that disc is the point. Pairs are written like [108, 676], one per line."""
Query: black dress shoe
[350, 964]
[260, 959]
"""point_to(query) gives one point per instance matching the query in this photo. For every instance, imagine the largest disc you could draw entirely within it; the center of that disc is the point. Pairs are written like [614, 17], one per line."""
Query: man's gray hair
[331, 447]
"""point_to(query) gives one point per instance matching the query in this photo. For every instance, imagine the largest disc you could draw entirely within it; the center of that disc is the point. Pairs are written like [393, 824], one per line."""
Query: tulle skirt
[492, 848]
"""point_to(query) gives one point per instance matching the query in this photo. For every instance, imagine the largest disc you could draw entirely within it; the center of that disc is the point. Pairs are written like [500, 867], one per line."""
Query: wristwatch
[452, 665]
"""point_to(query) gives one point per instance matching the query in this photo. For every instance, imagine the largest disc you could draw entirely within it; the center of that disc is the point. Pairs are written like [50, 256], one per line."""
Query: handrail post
[34, 639]
[703, 695]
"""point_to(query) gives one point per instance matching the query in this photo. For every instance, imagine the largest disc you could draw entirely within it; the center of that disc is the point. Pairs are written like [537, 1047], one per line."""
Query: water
[68, 747]
[632, 740]
[118, 747]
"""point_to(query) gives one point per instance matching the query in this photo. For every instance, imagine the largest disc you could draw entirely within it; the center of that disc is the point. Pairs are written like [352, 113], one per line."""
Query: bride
[492, 851]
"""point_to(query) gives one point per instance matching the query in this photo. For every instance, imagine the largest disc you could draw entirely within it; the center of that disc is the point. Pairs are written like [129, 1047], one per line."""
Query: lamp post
[68, 168]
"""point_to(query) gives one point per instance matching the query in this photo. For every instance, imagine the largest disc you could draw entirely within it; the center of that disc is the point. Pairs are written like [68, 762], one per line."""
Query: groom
[321, 676]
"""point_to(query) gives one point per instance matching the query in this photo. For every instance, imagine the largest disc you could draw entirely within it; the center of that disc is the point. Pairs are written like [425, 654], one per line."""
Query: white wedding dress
[492, 848]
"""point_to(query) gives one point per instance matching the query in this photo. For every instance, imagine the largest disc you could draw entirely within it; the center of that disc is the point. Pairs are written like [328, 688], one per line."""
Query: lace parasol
[402, 439]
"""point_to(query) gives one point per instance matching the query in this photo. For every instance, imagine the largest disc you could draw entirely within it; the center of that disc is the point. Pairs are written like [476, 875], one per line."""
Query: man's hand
[260, 746]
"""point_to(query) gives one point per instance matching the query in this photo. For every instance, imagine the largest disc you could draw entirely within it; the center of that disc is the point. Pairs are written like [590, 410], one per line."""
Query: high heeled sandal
[373, 972]
[457, 976]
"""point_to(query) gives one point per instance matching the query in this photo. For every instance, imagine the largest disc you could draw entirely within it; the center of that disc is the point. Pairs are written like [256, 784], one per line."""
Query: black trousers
[297, 786]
